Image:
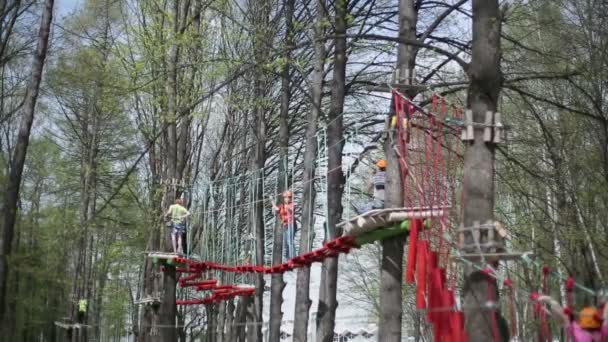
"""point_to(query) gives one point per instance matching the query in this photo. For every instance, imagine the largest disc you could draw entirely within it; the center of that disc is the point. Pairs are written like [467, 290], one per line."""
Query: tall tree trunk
[303, 301]
[260, 54]
[478, 189]
[240, 319]
[335, 177]
[391, 277]
[168, 309]
[252, 335]
[23, 138]
[219, 322]
[229, 335]
[277, 284]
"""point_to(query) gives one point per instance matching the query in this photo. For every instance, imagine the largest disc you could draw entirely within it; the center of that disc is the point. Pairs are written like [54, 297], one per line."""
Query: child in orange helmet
[286, 211]
[377, 184]
[591, 325]
[177, 214]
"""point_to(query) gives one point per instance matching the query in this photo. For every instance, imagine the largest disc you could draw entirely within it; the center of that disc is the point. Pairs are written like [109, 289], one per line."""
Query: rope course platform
[491, 257]
[163, 257]
[154, 300]
[64, 325]
[380, 218]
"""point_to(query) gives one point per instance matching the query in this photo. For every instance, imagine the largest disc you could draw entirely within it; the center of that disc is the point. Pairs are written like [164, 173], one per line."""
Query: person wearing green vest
[177, 214]
[82, 310]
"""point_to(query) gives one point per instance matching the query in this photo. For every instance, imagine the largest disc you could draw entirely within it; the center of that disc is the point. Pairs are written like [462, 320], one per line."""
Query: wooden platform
[64, 325]
[385, 88]
[148, 301]
[380, 218]
[476, 257]
[164, 257]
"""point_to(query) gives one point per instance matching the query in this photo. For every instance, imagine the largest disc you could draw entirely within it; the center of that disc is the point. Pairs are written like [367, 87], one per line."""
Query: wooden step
[380, 218]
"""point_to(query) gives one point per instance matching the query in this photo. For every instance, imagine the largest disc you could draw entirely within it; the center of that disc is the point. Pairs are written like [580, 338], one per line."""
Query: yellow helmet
[589, 318]
[381, 163]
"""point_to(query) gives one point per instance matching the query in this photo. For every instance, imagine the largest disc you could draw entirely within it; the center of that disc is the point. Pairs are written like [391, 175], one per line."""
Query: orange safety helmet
[381, 163]
[288, 194]
[589, 318]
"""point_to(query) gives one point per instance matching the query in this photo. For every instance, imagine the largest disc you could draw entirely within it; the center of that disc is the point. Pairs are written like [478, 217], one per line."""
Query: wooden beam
[400, 87]
[147, 300]
[490, 256]
[381, 218]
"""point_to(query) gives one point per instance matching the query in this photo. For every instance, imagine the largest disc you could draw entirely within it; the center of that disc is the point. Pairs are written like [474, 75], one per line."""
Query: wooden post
[487, 129]
[498, 128]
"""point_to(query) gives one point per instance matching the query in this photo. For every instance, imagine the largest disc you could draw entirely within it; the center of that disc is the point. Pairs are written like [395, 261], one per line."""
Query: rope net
[428, 148]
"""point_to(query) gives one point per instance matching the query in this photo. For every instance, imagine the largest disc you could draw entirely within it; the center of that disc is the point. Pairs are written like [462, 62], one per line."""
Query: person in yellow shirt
[177, 214]
[82, 310]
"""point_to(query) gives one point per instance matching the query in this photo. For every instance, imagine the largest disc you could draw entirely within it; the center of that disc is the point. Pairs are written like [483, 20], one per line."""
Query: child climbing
[285, 211]
[591, 326]
[82, 310]
[177, 214]
[376, 184]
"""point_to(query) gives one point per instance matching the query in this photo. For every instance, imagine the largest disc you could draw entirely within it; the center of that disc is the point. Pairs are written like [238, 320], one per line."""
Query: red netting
[430, 155]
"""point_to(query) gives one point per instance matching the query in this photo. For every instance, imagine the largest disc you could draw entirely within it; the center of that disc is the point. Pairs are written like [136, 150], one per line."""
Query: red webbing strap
[545, 333]
[402, 139]
[569, 301]
[537, 308]
[570, 292]
[447, 302]
[457, 324]
[434, 296]
[421, 276]
[508, 283]
[411, 257]
[332, 248]
[427, 182]
[492, 299]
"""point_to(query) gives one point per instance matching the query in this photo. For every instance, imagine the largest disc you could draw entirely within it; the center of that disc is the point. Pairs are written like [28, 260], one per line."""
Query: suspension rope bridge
[429, 146]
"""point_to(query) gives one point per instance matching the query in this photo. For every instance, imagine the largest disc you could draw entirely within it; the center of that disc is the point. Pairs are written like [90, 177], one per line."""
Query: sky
[64, 7]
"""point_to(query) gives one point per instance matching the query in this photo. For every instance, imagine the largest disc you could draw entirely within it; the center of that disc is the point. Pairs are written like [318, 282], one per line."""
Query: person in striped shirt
[377, 184]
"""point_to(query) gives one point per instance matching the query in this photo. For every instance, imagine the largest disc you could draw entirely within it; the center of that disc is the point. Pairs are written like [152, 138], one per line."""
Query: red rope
[332, 248]
[508, 283]
[492, 299]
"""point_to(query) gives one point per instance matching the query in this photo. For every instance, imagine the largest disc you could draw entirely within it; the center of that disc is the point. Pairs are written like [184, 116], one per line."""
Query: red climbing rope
[332, 248]
[426, 160]
[508, 283]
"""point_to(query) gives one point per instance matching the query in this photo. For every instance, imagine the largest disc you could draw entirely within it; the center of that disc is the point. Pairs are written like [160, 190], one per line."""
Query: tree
[478, 191]
[277, 284]
[326, 312]
[18, 160]
[308, 202]
[391, 277]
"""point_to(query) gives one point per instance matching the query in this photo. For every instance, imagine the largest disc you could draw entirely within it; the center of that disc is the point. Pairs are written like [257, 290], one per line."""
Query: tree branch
[413, 42]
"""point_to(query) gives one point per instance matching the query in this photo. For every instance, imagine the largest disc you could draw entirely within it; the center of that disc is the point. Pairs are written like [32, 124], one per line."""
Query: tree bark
[261, 29]
[303, 301]
[16, 171]
[277, 284]
[219, 322]
[240, 318]
[229, 335]
[335, 178]
[478, 189]
[391, 277]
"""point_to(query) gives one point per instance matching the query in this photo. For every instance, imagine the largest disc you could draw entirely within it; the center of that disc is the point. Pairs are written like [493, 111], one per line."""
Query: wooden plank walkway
[148, 300]
[381, 218]
[476, 257]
